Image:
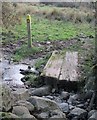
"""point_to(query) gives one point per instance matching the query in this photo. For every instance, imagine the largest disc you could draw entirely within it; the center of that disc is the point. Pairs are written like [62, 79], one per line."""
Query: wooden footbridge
[62, 67]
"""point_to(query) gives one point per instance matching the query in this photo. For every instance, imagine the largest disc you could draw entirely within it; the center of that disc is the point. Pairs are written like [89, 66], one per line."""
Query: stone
[93, 117]
[26, 104]
[28, 116]
[80, 105]
[57, 99]
[71, 107]
[50, 97]
[20, 110]
[43, 115]
[56, 117]
[91, 113]
[72, 98]
[5, 115]
[64, 107]
[75, 118]
[20, 94]
[78, 112]
[57, 114]
[44, 104]
[7, 100]
[64, 95]
[42, 91]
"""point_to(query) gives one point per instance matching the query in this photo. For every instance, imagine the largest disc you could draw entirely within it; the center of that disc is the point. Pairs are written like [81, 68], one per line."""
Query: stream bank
[43, 102]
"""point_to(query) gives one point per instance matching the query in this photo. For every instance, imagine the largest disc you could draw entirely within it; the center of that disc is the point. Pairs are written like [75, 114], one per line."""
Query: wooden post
[29, 30]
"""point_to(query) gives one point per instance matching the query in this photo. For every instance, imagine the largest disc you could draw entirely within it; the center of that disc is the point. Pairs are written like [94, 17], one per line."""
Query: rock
[64, 107]
[29, 71]
[72, 98]
[26, 104]
[57, 99]
[81, 113]
[56, 117]
[93, 117]
[43, 103]
[88, 95]
[57, 114]
[80, 105]
[64, 95]
[5, 115]
[91, 113]
[42, 91]
[20, 94]
[28, 116]
[7, 100]
[71, 107]
[20, 110]
[50, 97]
[43, 115]
[75, 118]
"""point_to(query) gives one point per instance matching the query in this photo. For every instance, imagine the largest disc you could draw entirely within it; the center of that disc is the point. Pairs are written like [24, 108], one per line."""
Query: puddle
[11, 74]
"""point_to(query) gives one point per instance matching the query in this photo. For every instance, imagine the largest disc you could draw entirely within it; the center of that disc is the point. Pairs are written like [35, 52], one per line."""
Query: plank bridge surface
[62, 66]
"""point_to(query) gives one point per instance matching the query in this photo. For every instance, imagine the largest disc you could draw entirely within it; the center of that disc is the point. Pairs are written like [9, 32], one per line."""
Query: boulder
[43, 103]
[50, 97]
[64, 107]
[56, 117]
[26, 104]
[42, 115]
[94, 116]
[57, 114]
[9, 116]
[7, 98]
[20, 110]
[42, 91]
[71, 107]
[91, 113]
[28, 117]
[72, 98]
[80, 113]
[20, 94]
[64, 95]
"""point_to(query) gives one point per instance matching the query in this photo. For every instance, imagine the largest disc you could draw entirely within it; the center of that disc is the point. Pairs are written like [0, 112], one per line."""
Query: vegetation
[24, 52]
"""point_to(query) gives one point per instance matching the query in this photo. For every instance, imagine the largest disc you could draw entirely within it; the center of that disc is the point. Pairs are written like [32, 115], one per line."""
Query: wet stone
[80, 113]
[93, 117]
[64, 95]
[64, 107]
[91, 113]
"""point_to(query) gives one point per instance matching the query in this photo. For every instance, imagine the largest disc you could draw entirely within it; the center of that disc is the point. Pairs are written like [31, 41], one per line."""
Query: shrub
[9, 15]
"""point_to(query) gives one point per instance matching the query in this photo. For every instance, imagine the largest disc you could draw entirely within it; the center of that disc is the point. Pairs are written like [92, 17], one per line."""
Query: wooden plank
[69, 70]
[53, 66]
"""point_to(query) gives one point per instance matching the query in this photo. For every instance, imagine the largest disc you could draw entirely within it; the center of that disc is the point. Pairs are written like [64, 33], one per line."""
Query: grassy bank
[49, 23]
[44, 29]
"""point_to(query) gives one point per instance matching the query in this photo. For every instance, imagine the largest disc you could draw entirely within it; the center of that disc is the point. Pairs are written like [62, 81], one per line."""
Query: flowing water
[11, 73]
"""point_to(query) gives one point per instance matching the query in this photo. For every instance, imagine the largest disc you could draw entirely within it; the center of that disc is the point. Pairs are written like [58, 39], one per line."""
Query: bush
[9, 16]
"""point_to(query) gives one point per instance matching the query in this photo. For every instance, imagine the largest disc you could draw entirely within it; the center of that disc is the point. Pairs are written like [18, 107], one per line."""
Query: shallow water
[11, 74]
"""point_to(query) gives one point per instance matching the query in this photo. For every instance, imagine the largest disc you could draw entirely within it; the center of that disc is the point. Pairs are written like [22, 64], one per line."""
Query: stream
[11, 73]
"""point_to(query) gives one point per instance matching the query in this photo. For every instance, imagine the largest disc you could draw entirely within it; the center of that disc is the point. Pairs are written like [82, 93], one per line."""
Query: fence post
[29, 30]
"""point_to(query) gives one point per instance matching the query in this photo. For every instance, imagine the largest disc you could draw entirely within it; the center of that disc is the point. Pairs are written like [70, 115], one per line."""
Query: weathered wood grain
[53, 66]
[62, 66]
[69, 69]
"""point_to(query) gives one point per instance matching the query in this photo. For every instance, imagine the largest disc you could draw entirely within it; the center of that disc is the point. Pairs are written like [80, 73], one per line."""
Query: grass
[24, 52]
[42, 62]
[44, 29]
